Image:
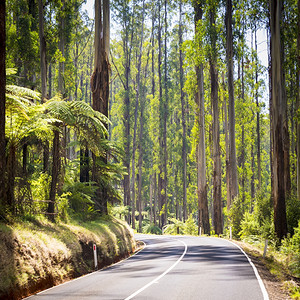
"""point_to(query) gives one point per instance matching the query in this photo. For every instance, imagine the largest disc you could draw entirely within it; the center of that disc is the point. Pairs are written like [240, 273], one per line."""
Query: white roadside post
[200, 231]
[95, 256]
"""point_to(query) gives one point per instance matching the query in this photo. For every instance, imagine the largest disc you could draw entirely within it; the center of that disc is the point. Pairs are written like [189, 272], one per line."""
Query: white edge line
[161, 275]
[261, 284]
[86, 275]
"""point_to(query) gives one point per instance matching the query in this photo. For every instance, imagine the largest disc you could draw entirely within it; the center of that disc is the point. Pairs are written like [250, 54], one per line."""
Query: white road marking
[261, 284]
[155, 280]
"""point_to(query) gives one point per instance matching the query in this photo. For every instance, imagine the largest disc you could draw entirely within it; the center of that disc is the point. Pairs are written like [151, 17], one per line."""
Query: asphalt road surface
[171, 267]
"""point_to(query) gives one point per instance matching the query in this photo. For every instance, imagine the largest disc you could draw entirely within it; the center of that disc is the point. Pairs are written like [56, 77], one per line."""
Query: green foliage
[119, 211]
[175, 227]
[291, 247]
[235, 217]
[152, 229]
[249, 226]
[80, 196]
[190, 227]
[292, 212]
[179, 227]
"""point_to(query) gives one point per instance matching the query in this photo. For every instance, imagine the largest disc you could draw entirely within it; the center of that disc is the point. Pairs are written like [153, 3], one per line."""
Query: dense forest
[160, 112]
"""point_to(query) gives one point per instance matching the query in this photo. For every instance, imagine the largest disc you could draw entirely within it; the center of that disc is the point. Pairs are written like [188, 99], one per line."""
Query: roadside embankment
[37, 254]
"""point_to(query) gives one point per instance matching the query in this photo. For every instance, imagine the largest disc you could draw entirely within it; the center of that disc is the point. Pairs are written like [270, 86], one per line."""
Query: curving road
[171, 268]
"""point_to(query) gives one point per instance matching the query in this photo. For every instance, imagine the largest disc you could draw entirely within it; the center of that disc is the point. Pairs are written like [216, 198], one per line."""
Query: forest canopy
[160, 112]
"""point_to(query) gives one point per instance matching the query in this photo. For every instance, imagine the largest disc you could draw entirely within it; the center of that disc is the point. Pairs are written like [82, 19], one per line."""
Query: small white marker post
[95, 256]
[230, 234]
[265, 250]
[200, 231]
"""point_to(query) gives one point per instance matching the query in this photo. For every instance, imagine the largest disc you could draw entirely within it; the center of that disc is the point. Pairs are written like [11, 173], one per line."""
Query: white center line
[155, 280]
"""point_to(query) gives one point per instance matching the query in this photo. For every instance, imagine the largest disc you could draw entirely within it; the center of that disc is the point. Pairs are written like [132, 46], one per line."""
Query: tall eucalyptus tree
[2, 101]
[277, 112]
[233, 189]
[201, 157]
[100, 85]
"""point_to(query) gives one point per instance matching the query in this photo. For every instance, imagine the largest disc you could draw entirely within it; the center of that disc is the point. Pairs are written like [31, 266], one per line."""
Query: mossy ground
[36, 254]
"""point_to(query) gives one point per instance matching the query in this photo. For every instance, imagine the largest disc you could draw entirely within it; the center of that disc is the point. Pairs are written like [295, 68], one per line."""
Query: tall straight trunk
[183, 119]
[201, 158]
[126, 116]
[2, 102]
[243, 152]
[298, 105]
[155, 200]
[153, 176]
[252, 180]
[54, 173]
[286, 135]
[228, 201]
[140, 168]
[217, 176]
[151, 199]
[61, 47]
[42, 51]
[278, 115]
[257, 121]
[165, 117]
[160, 175]
[100, 86]
[138, 87]
[233, 190]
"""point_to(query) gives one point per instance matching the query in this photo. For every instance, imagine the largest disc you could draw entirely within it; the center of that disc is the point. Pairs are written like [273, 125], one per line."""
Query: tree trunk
[42, 51]
[61, 47]
[84, 165]
[201, 158]
[155, 200]
[298, 105]
[160, 175]
[55, 173]
[140, 167]
[126, 116]
[165, 117]
[231, 108]
[217, 177]
[2, 103]
[257, 122]
[11, 175]
[183, 119]
[100, 84]
[278, 115]
[228, 196]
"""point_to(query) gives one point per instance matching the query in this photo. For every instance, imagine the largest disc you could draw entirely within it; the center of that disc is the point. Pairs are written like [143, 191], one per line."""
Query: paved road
[170, 268]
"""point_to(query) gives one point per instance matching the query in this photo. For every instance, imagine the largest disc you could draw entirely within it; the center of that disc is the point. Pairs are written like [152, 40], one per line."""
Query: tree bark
[2, 103]
[231, 109]
[100, 85]
[42, 51]
[140, 167]
[54, 173]
[183, 118]
[84, 165]
[61, 47]
[257, 122]
[298, 105]
[201, 158]
[278, 115]
[160, 175]
[217, 177]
